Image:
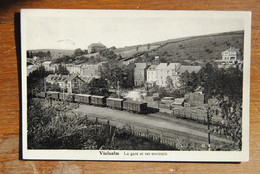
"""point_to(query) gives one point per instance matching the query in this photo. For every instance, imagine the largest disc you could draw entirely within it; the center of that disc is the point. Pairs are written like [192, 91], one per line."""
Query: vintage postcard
[135, 85]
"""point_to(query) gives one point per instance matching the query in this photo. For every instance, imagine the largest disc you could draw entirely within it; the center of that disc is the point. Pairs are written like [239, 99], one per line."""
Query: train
[198, 114]
[101, 101]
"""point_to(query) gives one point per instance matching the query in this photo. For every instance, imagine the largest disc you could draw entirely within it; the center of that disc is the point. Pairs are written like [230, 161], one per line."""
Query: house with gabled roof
[70, 83]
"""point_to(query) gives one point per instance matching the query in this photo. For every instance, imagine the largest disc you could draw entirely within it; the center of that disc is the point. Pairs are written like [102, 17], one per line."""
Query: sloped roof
[71, 77]
[86, 79]
[190, 69]
[152, 67]
[60, 78]
[178, 101]
[140, 65]
[89, 66]
[173, 66]
[162, 66]
[46, 62]
[115, 99]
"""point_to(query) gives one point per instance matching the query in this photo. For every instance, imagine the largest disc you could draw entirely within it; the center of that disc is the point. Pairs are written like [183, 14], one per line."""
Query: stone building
[151, 74]
[140, 74]
[90, 70]
[73, 69]
[164, 70]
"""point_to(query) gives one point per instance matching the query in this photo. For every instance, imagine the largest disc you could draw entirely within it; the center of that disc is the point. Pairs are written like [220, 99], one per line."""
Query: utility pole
[44, 82]
[118, 89]
[208, 117]
[63, 91]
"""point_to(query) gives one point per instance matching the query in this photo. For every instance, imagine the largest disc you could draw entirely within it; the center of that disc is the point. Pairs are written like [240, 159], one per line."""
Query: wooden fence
[179, 143]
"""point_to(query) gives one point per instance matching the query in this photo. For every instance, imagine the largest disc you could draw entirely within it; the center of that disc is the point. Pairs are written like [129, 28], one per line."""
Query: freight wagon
[98, 100]
[135, 106]
[83, 98]
[115, 103]
[197, 114]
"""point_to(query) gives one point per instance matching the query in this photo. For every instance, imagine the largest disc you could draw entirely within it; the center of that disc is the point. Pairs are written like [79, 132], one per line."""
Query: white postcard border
[209, 156]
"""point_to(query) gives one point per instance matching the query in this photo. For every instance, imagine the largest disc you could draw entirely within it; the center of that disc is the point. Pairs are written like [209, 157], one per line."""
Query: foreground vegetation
[54, 127]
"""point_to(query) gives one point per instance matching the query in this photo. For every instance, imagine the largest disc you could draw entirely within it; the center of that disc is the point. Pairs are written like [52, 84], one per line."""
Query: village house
[161, 74]
[96, 47]
[73, 69]
[172, 72]
[164, 70]
[140, 74]
[151, 74]
[230, 56]
[57, 55]
[47, 65]
[70, 83]
[90, 70]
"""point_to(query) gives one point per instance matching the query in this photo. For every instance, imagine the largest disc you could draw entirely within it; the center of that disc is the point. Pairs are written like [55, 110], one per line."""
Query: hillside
[55, 51]
[189, 50]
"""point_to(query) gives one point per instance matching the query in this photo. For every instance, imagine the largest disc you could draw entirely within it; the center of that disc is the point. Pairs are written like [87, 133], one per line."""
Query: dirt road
[154, 123]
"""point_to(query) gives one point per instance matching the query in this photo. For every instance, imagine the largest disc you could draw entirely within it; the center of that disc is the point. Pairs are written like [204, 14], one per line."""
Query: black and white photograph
[135, 85]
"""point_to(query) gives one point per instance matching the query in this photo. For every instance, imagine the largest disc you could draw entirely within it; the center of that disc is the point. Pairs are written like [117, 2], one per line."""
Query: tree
[113, 73]
[98, 87]
[232, 121]
[35, 81]
[84, 88]
[48, 53]
[62, 70]
[29, 54]
[78, 52]
[128, 76]
[185, 82]
[169, 83]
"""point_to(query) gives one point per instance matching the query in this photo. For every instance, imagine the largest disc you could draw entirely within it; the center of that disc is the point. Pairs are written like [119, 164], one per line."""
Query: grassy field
[189, 50]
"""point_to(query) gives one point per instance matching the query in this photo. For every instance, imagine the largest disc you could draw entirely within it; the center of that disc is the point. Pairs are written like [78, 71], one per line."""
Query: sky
[78, 30]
